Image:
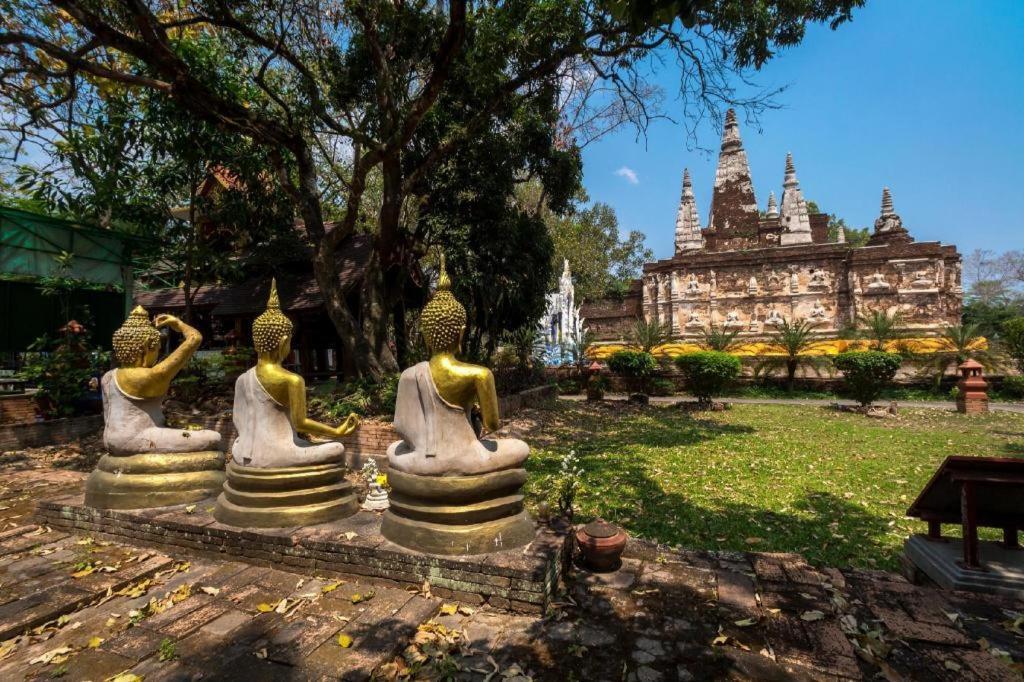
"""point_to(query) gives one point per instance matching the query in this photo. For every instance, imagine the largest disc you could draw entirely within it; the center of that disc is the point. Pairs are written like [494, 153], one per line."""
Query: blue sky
[924, 96]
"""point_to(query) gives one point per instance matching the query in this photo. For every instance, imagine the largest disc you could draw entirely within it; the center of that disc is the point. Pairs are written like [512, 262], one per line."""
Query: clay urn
[601, 544]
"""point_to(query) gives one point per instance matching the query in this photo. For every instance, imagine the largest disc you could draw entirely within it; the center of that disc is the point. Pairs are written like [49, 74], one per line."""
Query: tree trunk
[790, 374]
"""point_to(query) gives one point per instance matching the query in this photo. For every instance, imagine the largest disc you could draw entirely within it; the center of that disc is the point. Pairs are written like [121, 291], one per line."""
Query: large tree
[349, 87]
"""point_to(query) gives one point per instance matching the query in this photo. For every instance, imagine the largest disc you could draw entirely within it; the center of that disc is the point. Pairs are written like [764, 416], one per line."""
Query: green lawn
[832, 486]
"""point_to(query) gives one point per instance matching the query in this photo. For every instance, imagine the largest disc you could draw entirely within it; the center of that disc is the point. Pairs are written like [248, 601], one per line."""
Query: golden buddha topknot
[443, 318]
[134, 336]
[269, 328]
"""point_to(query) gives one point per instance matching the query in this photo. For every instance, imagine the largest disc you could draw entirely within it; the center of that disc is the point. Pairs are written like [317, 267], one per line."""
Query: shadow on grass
[622, 488]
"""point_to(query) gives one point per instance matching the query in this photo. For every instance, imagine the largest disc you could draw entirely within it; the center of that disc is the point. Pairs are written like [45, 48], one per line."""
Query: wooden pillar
[1010, 540]
[969, 515]
[934, 530]
[305, 354]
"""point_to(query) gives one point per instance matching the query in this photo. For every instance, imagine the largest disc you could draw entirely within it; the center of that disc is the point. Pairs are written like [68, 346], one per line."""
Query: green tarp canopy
[29, 246]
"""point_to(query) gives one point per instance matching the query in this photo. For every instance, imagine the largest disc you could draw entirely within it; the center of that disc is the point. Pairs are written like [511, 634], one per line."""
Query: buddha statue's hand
[165, 320]
[349, 425]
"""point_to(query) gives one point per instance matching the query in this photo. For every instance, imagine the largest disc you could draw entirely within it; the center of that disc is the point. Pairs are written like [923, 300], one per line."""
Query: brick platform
[520, 580]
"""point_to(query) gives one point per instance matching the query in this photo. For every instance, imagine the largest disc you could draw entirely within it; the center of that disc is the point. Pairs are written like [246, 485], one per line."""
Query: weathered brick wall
[52, 432]
[519, 580]
[17, 409]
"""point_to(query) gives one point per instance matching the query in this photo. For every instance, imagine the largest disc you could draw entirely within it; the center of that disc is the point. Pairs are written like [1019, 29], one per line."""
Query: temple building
[561, 325]
[748, 270]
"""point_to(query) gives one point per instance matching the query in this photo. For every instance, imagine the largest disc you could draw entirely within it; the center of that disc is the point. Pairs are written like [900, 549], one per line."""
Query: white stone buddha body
[438, 438]
[266, 437]
[133, 426]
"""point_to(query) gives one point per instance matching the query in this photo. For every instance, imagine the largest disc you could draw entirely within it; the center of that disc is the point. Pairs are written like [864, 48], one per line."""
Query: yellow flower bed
[823, 347]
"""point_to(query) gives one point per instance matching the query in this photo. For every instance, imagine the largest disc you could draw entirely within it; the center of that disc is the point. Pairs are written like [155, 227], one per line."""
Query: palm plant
[880, 327]
[959, 342]
[719, 339]
[579, 346]
[795, 339]
[649, 334]
[526, 344]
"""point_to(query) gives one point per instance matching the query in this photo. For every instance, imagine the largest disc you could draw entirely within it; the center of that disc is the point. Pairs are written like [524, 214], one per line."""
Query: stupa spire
[773, 206]
[889, 226]
[688, 236]
[733, 205]
[794, 216]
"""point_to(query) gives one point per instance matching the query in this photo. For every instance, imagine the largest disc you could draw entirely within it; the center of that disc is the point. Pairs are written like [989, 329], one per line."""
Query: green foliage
[660, 386]
[525, 344]
[636, 365]
[570, 386]
[1013, 387]
[991, 316]
[632, 363]
[168, 650]
[61, 368]
[211, 375]
[867, 373]
[795, 339]
[879, 327]
[716, 338]
[958, 341]
[708, 373]
[601, 259]
[366, 397]
[649, 334]
[1013, 340]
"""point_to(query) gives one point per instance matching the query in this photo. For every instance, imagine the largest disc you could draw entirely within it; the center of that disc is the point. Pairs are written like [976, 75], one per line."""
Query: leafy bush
[660, 386]
[636, 365]
[1013, 337]
[210, 376]
[708, 372]
[867, 373]
[61, 368]
[1013, 387]
[366, 397]
[516, 378]
[569, 387]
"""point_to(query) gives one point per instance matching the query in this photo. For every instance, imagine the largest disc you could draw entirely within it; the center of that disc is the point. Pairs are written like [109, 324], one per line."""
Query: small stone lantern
[595, 391]
[972, 398]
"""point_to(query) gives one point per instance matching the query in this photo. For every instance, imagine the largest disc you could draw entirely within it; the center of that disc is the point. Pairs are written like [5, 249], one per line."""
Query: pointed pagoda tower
[889, 226]
[688, 234]
[773, 207]
[794, 217]
[733, 213]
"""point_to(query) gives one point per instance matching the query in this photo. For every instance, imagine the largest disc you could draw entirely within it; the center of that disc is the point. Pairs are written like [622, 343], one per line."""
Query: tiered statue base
[156, 479]
[285, 496]
[458, 515]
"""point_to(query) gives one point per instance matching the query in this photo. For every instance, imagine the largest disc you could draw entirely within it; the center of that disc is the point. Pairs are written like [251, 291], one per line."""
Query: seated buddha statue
[149, 464]
[276, 478]
[453, 492]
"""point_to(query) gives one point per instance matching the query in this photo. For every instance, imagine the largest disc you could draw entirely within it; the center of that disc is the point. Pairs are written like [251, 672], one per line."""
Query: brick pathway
[76, 607]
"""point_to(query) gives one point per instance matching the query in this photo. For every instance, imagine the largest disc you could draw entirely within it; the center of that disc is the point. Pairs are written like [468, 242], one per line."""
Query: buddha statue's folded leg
[162, 439]
[504, 453]
[317, 453]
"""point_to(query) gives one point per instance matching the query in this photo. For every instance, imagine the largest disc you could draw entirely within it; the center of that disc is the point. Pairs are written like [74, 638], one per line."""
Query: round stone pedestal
[156, 479]
[455, 515]
[280, 497]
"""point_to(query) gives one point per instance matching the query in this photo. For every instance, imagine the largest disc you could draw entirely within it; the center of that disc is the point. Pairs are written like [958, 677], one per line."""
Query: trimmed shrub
[1013, 338]
[708, 372]
[867, 373]
[636, 365]
[661, 387]
[1013, 387]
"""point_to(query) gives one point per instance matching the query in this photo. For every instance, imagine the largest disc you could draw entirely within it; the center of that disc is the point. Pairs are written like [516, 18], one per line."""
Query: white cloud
[629, 174]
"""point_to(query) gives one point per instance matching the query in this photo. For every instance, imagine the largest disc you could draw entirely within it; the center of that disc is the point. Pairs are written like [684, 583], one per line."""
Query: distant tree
[603, 260]
[1013, 338]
